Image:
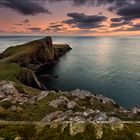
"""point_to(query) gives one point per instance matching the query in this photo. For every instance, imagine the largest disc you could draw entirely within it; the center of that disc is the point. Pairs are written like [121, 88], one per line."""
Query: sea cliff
[29, 57]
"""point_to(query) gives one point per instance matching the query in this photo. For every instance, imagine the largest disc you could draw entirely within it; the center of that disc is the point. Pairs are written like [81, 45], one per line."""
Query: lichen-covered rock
[114, 120]
[61, 101]
[42, 95]
[71, 105]
[81, 94]
[101, 116]
[135, 110]
[105, 99]
[89, 111]
[11, 95]
[7, 88]
[52, 116]
[77, 119]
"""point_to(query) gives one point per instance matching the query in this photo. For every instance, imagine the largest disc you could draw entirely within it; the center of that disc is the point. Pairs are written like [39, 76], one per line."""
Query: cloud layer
[83, 21]
[25, 7]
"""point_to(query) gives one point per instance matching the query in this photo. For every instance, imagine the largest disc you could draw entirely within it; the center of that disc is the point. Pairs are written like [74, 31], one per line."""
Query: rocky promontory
[30, 57]
[36, 52]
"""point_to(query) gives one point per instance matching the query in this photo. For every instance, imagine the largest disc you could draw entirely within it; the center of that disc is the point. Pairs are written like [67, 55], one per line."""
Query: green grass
[8, 71]
[16, 51]
[62, 132]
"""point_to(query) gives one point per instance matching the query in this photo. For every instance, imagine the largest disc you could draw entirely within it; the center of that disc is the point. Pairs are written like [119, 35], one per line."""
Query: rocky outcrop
[10, 94]
[63, 106]
[61, 101]
[101, 116]
[71, 105]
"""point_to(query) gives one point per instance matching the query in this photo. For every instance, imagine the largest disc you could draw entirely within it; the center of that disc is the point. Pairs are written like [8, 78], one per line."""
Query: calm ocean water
[105, 65]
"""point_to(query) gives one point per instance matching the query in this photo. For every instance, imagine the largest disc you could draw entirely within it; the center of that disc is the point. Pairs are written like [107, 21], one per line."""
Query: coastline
[25, 99]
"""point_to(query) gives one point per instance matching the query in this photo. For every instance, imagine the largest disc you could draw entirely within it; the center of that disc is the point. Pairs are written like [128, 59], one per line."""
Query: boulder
[105, 100]
[42, 95]
[81, 94]
[135, 110]
[71, 105]
[61, 101]
[77, 118]
[114, 120]
[7, 88]
[52, 116]
[101, 117]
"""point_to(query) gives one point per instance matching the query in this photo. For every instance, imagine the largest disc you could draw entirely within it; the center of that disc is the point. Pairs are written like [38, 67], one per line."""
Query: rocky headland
[71, 114]
[30, 57]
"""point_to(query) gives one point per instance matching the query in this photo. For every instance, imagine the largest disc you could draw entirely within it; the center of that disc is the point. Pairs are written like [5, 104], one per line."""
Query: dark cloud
[120, 24]
[130, 12]
[135, 27]
[110, 3]
[35, 29]
[128, 9]
[83, 21]
[116, 19]
[25, 7]
[55, 26]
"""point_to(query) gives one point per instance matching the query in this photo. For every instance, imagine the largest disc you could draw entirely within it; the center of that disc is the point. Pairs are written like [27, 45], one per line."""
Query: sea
[103, 65]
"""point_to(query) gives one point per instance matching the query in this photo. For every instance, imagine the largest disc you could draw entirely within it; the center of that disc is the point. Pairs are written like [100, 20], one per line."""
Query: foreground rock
[51, 106]
[9, 92]
[71, 105]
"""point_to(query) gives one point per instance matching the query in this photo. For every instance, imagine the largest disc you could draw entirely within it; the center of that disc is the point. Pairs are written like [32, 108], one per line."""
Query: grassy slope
[15, 51]
[63, 132]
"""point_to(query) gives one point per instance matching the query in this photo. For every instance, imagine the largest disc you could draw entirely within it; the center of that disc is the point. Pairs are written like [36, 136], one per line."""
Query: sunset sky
[70, 17]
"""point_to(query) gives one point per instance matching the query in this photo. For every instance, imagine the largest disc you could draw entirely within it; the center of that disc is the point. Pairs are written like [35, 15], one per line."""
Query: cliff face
[29, 78]
[37, 52]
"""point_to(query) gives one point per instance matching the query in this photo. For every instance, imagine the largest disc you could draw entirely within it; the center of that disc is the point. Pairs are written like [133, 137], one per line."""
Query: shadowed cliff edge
[76, 114]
